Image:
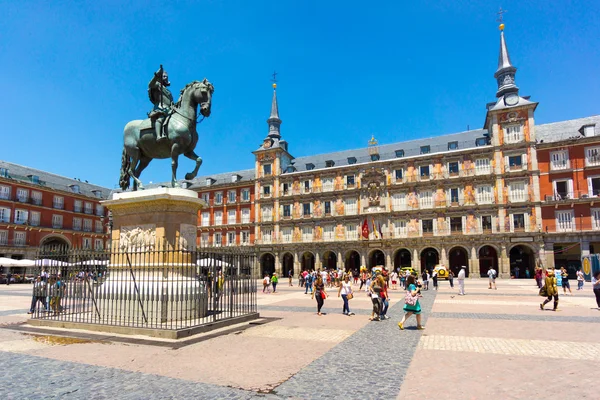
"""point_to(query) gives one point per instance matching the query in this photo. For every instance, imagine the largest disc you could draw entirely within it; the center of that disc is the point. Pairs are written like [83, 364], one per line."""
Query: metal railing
[144, 287]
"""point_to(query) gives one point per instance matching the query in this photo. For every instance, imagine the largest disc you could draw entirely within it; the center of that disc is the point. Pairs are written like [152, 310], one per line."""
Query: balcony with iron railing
[566, 196]
[560, 165]
[515, 167]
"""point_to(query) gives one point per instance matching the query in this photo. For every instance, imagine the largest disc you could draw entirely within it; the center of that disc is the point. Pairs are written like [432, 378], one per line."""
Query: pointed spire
[274, 121]
[505, 74]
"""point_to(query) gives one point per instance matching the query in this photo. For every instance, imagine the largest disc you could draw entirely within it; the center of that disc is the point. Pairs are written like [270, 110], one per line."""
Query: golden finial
[373, 141]
[274, 80]
[500, 18]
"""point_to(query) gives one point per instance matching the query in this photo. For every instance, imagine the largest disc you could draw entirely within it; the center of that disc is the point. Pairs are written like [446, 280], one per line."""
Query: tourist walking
[550, 290]
[291, 276]
[319, 293]
[39, 294]
[308, 282]
[580, 279]
[345, 291]
[451, 278]
[411, 303]
[363, 279]
[425, 278]
[538, 277]
[596, 287]
[385, 303]
[461, 280]
[492, 274]
[516, 271]
[374, 291]
[565, 281]
[394, 277]
[274, 281]
[434, 277]
[266, 283]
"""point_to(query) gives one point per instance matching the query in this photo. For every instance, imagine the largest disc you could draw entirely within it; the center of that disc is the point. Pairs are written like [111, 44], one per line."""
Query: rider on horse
[162, 99]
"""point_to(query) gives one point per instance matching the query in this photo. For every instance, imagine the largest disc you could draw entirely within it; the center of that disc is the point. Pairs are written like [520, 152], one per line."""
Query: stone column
[278, 265]
[388, 261]
[585, 248]
[318, 263]
[548, 258]
[297, 264]
[415, 261]
[340, 261]
[363, 260]
[473, 264]
[444, 256]
[504, 262]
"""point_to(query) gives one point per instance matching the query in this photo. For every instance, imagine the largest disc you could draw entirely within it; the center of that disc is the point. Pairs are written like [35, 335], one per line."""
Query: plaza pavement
[489, 343]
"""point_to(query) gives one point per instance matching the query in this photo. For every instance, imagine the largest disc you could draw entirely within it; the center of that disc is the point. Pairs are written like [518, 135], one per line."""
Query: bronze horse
[139, 138]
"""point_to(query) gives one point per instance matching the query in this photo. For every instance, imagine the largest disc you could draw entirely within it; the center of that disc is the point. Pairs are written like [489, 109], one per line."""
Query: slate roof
[565, 130]
[52, 181]
[246, 175]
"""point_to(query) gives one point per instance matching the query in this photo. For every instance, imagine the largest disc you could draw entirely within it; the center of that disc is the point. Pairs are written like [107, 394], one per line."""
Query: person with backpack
[411, 303]
[492, 277]
[308, 283]
[266, 283]
[274, 281]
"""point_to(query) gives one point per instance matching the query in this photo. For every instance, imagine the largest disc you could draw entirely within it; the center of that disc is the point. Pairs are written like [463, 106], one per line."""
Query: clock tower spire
[505, 74]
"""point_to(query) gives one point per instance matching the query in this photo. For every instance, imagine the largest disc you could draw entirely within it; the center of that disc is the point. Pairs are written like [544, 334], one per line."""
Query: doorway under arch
[488, 258]
[376, 258]
[402, 258]
[287, 264]
[521, 260]
[267, 264]
[457, 257]
[308, 261]
[352, 261]
[329, 260]
[429, 259]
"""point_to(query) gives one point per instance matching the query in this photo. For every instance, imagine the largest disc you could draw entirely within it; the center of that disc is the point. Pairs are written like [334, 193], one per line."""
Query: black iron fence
[145, 287]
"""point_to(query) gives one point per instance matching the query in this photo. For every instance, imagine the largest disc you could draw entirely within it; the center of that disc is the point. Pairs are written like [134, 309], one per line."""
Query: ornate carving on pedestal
[140, 238]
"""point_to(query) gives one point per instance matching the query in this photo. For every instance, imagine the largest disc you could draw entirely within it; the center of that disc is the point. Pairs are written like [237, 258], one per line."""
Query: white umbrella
[9, 262]
[92, 262]
[25, 263]
[45, 262]
[211, 262]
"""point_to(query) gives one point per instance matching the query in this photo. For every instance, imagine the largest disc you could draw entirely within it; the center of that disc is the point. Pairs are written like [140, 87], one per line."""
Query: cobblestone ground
[487, 344]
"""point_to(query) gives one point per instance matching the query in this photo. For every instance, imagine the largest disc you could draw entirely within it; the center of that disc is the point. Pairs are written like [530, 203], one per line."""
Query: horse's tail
[125, 164]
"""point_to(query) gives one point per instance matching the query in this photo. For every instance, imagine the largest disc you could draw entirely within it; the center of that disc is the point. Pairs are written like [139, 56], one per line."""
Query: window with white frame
[350, 181]
[563, 189]
[328, 232]
[595, 212]
[516, 162]
[57, 221]
[245, 194]
[559, 160]
[328, 184]
[245, 215]
[267, 213]
[565, 220]
[58, 202]
[231, 238]
[99, 227]
[307, 185]
[267, 169]
[77, 206]
[425, 199]
[245, 238]
[519, 222]
[88, 208]
[307, 233]
[98, 244]
[204, 239]
[205, 197]
[231, 196]
[34, 218]
[99, 209]
[592, 156]
[513, 133]
[286, 235]
[398, 175]
[424, 171]
[399, 201]
[486, 223]
[231, 217]
[482, 166]
[593, 186]
[485, 194]
[21, 216]
[286, 211]
[87, 243]
[4, 214]
[267, 191]
[4, 192]
[218, 217]
[206, 218]
[20, 238]
[400, 229]
[77, 223]
[218, 197]
[350, 206]
[517, 191]
[351, 232]
[87, 225]
[267, 235]
[36, 198]
[589, 130]
[22, 195]
[217, 239]
[4, 237]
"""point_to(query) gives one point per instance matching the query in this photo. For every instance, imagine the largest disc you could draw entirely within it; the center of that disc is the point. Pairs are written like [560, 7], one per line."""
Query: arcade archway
[376, 258]
[352, 261]
[457, 257]
[308, 261]
[329, 260]
[267, 264]
[402, 258]
[488, 258]
[287, 264]
[522, 259]
[429, 259]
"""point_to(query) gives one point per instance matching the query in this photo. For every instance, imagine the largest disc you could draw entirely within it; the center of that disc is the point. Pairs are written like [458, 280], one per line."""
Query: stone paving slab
[541, 316]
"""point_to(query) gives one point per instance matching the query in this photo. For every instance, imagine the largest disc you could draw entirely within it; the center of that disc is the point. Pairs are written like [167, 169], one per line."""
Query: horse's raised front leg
[144, 161]
[133, 166]
[175, 152]
[194, 157]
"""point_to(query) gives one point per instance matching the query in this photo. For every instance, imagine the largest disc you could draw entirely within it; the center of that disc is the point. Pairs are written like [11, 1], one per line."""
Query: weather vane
[274, 80]
[501, 18]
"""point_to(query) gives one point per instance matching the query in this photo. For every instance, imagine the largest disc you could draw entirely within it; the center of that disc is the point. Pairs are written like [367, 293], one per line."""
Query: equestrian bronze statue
[169, 131]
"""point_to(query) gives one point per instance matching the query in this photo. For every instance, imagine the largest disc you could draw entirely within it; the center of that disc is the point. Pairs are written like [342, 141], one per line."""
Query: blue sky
[75, 73]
